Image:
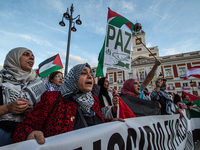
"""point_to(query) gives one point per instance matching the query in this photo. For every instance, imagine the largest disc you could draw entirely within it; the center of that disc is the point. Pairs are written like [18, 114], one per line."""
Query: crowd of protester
[30, 109]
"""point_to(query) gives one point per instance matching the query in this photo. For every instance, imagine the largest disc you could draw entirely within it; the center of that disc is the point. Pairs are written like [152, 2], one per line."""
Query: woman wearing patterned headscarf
[58, 112]
[20, 90]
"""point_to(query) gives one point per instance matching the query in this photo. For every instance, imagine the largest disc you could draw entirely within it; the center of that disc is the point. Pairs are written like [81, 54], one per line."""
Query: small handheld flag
[49, 65]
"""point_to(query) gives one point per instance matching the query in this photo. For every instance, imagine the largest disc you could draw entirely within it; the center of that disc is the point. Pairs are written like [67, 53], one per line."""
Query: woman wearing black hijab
[108, 101]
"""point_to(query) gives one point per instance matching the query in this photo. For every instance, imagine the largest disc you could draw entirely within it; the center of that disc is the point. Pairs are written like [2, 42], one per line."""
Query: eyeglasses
[59, 77]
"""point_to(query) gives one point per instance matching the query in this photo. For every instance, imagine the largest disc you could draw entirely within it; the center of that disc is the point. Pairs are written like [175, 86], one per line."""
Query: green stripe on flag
[119, 21]
[49, 71]
[197, 102]
[99, 71]
[193, 113]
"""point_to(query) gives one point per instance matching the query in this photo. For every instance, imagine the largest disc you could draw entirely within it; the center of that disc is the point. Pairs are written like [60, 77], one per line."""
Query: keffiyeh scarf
[70, 87]
[17, 83]
[12, 90]
[52, 87]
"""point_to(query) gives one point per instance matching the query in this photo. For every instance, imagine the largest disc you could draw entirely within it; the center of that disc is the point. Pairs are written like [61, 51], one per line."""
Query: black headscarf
[104, 92]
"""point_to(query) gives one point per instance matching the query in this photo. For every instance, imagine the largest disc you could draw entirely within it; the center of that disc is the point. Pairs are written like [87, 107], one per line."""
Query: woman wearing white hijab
[20, 90]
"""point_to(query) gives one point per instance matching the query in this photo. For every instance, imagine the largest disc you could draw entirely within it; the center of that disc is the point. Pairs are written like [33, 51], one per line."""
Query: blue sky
[172, 25]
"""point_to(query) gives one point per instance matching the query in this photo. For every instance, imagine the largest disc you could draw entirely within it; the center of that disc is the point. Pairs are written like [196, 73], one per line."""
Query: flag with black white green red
[49, 65]
[116, 20]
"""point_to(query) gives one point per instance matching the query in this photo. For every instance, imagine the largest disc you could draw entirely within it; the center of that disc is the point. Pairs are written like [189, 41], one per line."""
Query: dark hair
[183, 96]
[104, 92]
[177, 98]
[53, 74]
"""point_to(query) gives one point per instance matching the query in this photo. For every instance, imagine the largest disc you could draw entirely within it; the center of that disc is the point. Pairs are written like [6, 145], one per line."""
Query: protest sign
[117, 52]
[149, 132]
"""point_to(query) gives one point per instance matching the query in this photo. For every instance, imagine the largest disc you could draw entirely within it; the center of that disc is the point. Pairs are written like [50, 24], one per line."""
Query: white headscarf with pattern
[70, 86]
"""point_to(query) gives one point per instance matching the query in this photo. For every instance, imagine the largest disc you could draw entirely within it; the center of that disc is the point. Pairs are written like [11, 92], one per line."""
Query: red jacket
[61, 120]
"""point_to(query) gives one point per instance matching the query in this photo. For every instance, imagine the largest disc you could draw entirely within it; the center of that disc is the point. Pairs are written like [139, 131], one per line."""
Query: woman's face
[137, 87]
[106, 83]
[85, 82]
[27, 61]
[57, 80]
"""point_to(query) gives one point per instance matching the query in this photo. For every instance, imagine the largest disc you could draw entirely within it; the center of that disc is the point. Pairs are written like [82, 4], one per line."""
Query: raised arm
[151, 74]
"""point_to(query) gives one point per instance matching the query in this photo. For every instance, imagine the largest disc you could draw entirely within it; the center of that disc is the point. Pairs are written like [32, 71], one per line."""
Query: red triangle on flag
[112, 14]
[57, 61]
[192, 97]
[38, 73]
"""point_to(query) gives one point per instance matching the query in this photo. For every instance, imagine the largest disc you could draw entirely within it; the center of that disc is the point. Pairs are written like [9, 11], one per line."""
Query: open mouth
[89, 83]
[30, 63]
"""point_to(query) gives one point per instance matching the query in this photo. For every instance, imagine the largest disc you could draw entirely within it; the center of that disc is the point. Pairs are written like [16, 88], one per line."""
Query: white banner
[117, 52]
[150, 132]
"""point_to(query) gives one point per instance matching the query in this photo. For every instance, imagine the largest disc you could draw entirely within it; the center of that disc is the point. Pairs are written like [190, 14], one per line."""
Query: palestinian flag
[49, 65]
[130, 106]
[191, 96]
[193, 71]
[116, 20]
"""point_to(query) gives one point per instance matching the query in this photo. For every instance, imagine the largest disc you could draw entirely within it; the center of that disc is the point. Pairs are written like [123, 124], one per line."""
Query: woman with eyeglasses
[20, 90]
[55, 81]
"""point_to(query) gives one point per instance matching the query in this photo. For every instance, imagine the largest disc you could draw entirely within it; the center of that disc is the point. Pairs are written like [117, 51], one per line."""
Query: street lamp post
[69, 17]
[191, 83]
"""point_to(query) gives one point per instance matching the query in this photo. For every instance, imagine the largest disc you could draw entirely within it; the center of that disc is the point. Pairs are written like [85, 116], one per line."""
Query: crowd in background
[30, 109]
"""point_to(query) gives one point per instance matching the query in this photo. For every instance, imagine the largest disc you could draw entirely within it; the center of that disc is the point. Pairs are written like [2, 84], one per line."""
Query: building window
[119, 78]
[110, 78]
[168, 72]
[182, 71]
[119, 89]
[170, 86]
[130, 75]
[185, 84]
[138, 41]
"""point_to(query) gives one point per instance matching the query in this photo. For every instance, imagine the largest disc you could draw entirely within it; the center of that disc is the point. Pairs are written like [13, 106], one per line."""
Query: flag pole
[145, 47]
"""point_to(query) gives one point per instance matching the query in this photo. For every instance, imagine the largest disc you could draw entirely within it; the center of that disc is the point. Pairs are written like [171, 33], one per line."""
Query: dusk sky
[172, 25]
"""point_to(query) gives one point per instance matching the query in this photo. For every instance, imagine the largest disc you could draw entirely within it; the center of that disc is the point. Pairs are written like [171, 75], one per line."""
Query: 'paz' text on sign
[117, 52]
